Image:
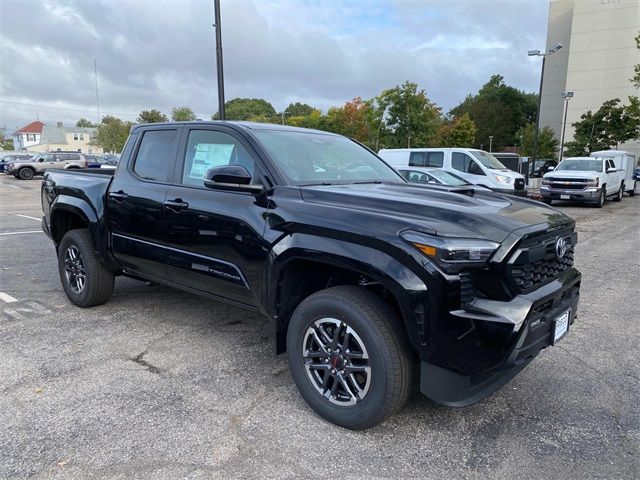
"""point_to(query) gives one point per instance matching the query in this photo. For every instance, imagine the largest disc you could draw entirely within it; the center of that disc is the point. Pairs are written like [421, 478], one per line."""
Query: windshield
[581, 165]
[448, 178]
[488, 160]
[315, 158]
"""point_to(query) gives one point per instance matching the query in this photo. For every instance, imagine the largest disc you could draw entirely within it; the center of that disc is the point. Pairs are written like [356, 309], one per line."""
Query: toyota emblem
[561, 247]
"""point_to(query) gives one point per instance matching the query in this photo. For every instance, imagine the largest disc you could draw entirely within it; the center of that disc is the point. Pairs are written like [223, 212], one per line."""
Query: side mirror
[230, 177]
[612, 170]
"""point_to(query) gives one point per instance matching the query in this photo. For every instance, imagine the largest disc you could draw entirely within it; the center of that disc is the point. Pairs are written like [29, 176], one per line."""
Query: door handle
[176, 205]
[119, 195]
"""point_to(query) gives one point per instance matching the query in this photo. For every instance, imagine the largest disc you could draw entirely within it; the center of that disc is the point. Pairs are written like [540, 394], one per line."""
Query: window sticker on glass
[209, 155]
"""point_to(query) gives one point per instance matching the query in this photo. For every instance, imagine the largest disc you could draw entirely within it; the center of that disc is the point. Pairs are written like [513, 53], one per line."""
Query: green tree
[461, 132]
[182, 114]
[151, 116]
[298, 110]
[498, 110]
[608, 127]
[636, 69]
[403, 116]
[83, 122]
[112, 133]
[547, 142]
[5, 143]
[247, 109]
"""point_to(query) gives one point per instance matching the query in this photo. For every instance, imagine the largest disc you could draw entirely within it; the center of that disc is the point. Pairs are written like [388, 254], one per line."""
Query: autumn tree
[607, 127]
[151, 116]
[182, 114]
[460, 132]
[112, 133]
[547, 142]
[83, 122]
[351, 120]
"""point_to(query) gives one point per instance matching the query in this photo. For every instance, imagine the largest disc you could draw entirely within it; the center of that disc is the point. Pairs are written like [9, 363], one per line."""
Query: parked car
[636, 173]
[542, 166]
[13, 158]
[363, 274]
[475, 166]
[94, 161]
[583, 179]
[111, 158]
[37, 164]
[624, 161]
[435, 176]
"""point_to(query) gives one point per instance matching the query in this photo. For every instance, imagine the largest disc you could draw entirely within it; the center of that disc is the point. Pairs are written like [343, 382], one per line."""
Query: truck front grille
[533, 266]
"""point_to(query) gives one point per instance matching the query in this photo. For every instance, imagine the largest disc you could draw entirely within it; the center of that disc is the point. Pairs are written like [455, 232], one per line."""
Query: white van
[624, 161]
[475, 166]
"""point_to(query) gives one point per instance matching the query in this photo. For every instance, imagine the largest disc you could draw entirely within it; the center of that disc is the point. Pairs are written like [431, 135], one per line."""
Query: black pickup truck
[365, 275]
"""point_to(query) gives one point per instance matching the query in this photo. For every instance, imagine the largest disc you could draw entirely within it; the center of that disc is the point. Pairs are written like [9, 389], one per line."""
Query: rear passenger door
[136, 209]
[215, 236]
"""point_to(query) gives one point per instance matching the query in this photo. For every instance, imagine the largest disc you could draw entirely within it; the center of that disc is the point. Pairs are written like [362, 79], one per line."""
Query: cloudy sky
[161, 54]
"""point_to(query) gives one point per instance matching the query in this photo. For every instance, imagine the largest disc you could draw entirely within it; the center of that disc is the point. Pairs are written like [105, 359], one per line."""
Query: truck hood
[586, 174]
[445, 211]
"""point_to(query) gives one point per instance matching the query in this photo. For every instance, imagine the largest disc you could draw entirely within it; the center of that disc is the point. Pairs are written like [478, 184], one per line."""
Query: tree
[461, 132]
[5, 143]
[83, 122]
[611, 125]
[351, 120]
[151, 116]
[636, 69]
[498, 110]
[112, 133]
[298, 110]
[182, 114]
[403, 116]
[247, 109]
[547, 142]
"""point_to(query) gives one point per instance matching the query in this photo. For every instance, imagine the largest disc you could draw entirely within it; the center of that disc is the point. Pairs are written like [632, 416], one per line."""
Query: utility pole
[566, 96]
[490, 143]
[218, 27]
[95, 71]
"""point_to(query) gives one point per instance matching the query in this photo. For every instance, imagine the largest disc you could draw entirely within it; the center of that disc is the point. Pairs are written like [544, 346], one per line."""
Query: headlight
[593, 183]
[452, 253]
[503, 179]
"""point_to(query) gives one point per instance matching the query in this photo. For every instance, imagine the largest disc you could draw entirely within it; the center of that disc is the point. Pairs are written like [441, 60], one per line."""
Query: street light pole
[566, 96]
[490, 143]
[218, 27]
[544, 55]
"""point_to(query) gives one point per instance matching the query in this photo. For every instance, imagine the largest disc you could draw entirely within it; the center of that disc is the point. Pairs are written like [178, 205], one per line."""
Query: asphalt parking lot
[162, 384]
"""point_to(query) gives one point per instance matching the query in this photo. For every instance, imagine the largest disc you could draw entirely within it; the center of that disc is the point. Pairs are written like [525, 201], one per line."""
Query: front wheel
[548, 201]
[25, 173]
[84, 279]
[349, 356]
[619, 194]
[601, 198]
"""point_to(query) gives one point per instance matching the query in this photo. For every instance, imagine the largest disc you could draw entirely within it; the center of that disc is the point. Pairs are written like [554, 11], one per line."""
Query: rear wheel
[25, 173]
[349, 356]
[84, 279]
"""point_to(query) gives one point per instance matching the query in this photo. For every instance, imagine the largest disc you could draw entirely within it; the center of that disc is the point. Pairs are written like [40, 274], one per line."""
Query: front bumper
[511, 191]
[522, 327]
[587, 195]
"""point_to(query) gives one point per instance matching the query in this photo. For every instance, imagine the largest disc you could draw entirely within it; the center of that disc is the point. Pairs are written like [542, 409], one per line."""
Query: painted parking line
[27, 216]
[20, 233]
[5, 297]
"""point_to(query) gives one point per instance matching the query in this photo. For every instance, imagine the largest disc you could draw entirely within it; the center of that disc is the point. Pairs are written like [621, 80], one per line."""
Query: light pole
[566, 96]
[218, 27]
[490, 143]
[544, 55]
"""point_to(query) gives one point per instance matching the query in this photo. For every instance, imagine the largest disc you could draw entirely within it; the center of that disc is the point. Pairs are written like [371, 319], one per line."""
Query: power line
[52, 107]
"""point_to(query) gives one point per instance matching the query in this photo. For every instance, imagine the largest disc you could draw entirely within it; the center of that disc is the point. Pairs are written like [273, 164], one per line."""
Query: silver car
[44, 161]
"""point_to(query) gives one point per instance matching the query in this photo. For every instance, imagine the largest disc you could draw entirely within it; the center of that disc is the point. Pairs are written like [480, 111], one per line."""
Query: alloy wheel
[336, 361]
[74, 269]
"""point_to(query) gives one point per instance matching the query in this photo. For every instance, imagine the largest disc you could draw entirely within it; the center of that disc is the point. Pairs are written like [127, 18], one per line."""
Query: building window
[81, 135]
[31, 137]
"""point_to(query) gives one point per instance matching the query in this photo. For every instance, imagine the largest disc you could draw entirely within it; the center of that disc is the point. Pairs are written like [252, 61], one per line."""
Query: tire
[96, 285]
[375, 331]
[548, 201]
[619, 194]
[601, 198]
[25, 173]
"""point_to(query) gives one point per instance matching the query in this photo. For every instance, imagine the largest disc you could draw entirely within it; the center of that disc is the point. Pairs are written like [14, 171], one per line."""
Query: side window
[417, 159]
[464, 163]
[435, 159]
[207, 149]
[156, 154]
[48, 157]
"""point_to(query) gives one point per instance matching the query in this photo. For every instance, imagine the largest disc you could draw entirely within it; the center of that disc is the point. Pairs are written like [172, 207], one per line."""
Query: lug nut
[333, 371]
[326, 360]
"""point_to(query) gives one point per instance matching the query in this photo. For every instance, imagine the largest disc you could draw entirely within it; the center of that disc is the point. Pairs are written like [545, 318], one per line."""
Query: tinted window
[464, 163]
[207, 149]
[155, 155]
[417, 159]
[435, 159]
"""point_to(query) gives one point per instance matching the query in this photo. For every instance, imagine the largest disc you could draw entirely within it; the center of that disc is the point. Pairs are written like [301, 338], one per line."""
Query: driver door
[468, 168]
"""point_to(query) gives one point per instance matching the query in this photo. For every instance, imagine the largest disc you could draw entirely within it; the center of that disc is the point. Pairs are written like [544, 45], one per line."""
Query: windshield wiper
[363, 182]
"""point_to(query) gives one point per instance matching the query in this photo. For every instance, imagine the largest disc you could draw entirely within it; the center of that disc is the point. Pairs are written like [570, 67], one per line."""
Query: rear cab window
[155, 158]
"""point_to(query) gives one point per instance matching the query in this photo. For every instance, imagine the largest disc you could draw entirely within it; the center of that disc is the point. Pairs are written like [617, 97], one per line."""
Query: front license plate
[565, 197]
[561, 326]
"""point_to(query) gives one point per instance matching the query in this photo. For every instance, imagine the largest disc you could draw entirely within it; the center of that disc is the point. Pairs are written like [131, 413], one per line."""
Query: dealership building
[596, 61]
